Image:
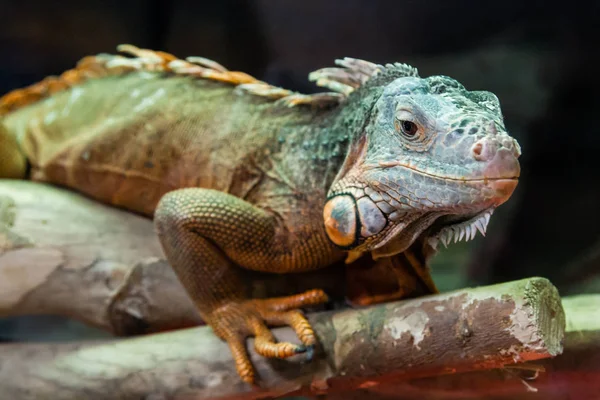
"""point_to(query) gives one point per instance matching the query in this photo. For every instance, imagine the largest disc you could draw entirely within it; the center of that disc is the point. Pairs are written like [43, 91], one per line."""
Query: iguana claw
[234, 322]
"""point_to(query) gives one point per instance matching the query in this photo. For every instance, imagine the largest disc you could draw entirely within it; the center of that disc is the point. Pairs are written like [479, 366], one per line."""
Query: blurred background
[540, 58]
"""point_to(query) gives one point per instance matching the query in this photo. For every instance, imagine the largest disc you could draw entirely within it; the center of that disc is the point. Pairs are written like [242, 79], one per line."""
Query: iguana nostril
[477, 147]
[484, 149]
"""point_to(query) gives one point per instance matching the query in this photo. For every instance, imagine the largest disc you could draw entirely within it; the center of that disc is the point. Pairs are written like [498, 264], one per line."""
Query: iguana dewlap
[238, 173]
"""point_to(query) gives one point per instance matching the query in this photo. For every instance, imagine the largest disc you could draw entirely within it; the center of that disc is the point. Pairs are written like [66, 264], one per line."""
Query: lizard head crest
[432, 161]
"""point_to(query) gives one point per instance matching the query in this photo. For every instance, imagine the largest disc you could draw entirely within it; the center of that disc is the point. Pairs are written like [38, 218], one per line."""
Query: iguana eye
[413, 129]
[408, 128]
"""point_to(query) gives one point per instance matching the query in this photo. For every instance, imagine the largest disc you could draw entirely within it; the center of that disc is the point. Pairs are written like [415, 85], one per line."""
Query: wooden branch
[575, 374]
[466, 330]
[64, 254]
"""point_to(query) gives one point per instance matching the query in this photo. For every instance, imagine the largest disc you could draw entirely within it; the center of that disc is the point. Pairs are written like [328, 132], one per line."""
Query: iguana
[240, 173]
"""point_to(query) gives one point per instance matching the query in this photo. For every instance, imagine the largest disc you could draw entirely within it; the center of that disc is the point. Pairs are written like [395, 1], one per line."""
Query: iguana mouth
[485, 179]
[389, 164]
[450, 228]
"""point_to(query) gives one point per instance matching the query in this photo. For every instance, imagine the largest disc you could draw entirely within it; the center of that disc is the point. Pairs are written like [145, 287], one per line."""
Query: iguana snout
[500, 158]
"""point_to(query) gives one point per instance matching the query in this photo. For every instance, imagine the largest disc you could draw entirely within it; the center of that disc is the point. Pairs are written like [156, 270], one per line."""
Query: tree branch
[575, 374]
[466, 330]
[68, 255]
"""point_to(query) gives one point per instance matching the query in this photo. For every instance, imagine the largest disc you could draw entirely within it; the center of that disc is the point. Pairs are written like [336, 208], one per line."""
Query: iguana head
[432, 161]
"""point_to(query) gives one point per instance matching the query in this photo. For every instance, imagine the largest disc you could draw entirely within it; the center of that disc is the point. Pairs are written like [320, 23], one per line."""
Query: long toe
[297, 321]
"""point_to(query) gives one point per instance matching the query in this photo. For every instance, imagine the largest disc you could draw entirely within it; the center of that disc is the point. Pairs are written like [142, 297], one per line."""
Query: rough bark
[64, 254]
[466, 330]
[575, 374]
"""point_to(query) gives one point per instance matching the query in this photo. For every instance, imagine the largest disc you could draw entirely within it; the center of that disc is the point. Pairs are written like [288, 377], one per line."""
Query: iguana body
[235, 178]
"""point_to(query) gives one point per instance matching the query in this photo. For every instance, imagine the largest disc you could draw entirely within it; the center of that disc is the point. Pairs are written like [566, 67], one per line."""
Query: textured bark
[63, 254]
[466, 330]
[575, 374]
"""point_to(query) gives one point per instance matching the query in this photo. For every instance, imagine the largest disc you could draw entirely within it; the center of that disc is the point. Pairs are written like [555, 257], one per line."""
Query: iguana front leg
[205, 234]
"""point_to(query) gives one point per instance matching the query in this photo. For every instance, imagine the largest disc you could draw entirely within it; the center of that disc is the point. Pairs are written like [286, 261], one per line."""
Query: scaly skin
[389, 164]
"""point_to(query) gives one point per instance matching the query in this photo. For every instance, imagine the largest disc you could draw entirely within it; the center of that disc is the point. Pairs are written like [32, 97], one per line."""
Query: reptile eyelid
[406, 115]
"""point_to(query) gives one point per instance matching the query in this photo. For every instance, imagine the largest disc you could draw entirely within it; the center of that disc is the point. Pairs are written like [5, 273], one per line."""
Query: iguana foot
[235, 321]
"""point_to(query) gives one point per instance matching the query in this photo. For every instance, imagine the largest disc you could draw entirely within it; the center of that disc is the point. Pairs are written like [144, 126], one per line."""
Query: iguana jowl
[239, 173]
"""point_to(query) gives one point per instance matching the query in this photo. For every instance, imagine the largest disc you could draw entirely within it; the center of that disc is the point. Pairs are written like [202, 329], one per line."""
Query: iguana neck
[322, 144]
[343, 133]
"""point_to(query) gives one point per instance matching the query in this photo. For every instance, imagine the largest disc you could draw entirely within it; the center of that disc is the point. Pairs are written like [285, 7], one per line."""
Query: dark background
[540, 58]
